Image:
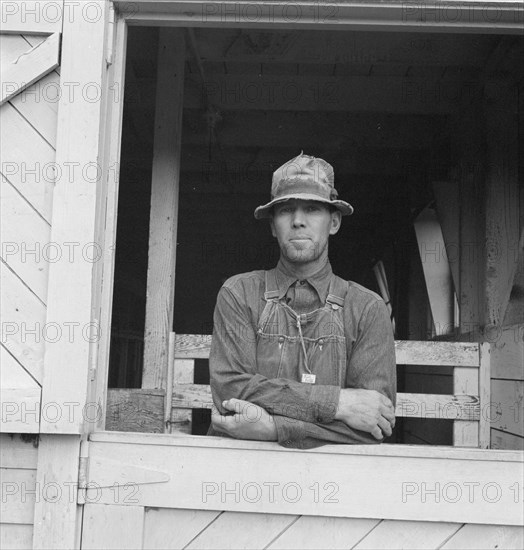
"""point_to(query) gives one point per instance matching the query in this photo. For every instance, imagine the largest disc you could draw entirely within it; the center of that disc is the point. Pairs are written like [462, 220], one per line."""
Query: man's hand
[366, 410]
[249, 421]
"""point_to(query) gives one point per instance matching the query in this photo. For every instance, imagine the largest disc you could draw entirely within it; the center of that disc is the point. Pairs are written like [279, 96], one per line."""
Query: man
[300, 356]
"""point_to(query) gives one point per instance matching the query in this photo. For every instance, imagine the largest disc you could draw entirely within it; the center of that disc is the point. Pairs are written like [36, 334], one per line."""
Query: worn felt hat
[306, 178]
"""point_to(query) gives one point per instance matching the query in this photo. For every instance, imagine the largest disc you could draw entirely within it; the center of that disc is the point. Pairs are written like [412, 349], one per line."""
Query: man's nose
[298, 217]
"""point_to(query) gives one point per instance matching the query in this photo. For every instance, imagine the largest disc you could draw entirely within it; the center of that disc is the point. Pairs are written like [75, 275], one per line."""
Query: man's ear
[336, 222]
[272, 225]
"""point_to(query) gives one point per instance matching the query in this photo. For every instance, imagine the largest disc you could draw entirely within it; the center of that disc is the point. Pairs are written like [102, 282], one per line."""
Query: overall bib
[308, 347]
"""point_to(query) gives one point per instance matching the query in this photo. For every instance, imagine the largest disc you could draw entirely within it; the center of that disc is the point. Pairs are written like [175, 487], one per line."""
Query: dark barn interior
[381, 107]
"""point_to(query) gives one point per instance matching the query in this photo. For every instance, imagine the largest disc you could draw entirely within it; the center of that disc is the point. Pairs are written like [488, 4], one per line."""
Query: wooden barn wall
[137, 527]
[18, 462]
[27, 142]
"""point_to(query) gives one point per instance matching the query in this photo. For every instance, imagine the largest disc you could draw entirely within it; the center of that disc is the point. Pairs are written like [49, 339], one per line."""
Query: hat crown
[301, 170]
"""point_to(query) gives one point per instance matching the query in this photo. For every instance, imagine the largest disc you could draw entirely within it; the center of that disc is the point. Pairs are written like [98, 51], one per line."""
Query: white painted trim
[71, 292]
[478, 16]
[367, 481]
[20, 409]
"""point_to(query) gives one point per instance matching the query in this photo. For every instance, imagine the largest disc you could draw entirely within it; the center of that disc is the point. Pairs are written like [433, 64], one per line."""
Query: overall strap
[337, 292]
[271, 292]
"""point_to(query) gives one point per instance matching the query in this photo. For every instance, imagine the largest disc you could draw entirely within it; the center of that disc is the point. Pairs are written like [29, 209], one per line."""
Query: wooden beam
[468, 16]
[30, 67]
[365, 489]
[503, 209]
[164, 207]
[135, 410]
[70, 362]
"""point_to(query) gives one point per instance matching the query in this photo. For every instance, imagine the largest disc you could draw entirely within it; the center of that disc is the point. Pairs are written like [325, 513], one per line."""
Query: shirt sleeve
[371, 366]
[232, 366]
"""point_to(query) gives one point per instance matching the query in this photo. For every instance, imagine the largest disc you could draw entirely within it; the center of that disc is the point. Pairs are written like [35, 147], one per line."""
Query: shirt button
[281, 339]
[301, 282]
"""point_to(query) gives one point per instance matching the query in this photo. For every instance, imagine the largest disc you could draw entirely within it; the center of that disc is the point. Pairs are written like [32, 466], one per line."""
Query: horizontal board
[409, 405]
[135, 410]
[20, 409]
[18, 496]
[16, 537]
[18, 453]
[445, 354]
[181, 472]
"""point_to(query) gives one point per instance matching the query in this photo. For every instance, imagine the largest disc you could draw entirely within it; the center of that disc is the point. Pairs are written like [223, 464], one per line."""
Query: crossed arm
[250, 406]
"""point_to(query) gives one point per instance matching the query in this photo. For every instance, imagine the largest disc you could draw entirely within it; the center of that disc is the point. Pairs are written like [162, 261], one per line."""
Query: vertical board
[507, 397]
[164, 206]
[113, 527]
[56, 517]
[79, 145]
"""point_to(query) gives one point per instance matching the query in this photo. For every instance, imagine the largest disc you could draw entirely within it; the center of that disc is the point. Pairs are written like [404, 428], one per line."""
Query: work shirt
[303, 412]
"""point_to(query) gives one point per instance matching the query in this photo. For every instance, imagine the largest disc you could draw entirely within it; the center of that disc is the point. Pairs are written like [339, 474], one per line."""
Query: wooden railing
[468, 405]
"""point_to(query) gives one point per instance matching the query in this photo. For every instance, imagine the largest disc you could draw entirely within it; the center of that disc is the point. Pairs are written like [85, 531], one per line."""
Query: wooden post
[164, 207]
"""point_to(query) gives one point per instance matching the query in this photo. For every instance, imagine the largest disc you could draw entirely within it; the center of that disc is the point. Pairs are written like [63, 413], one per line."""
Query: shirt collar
[320, 280]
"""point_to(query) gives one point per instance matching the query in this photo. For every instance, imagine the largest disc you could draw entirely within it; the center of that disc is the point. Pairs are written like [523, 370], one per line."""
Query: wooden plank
[38, 104]
[464, 354]
[15, 537]
[164, 207]
[112, 527]
[18, 496]
[503, 440]
[490, 17]
[180, 420]
[480, 537]
[236, 530]
[19, 452]
[448, 211]
[503, 215]
[405, 535]
[390, 450]
[12, 46]
[409, 405]
[370, 481]
[30, 67]
[466, 432]
[23, 323]
[310, 532]
[80, 144]
[138, 410]
[28, 161]
[174, 529]
[507, 353]
[437, 272]
[25, 240]
[35, 16]
[508, 411]
[19, 397]
[55, 517]
[484, 386]
[108, 223]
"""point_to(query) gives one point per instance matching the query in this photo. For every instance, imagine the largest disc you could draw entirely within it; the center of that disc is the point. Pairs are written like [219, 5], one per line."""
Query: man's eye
[313, 208]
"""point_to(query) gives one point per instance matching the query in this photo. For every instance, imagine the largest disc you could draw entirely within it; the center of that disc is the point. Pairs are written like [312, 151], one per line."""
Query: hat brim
[264, 211]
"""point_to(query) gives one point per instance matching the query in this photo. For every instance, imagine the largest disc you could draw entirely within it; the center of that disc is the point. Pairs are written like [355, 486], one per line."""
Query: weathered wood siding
[18, 462]
[27, 147]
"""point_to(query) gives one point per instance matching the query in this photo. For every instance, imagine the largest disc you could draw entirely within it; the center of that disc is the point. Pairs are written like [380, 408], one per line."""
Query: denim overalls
[308, 347]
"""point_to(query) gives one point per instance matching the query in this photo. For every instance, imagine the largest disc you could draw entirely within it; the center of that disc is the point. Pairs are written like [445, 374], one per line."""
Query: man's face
[302, 229]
